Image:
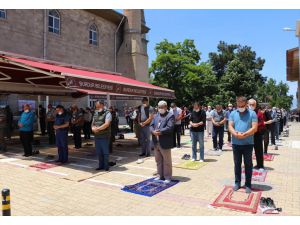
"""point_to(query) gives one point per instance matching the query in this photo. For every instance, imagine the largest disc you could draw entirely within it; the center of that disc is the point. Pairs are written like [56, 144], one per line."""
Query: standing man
[61, 126]
[209, 124]
[258, 135]
[198, 121]
[242, 126]
[273, 125]
[77, 123]
[102, 131]
[87, 117]
[42, 118]
[162, 134]
[218, 118]
[279, 117]
[229, 110]
[26, 129]
[177, 112]
[2, 129]
[268, 123]
[50, 123]
[146, 114]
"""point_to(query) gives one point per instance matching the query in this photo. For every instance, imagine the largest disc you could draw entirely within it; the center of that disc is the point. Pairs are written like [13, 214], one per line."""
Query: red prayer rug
[238, 200]
[267, 157]
[44, 166]
[257, 175]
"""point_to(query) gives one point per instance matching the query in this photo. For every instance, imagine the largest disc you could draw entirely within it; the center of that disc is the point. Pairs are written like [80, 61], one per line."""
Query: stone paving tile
[41, 193]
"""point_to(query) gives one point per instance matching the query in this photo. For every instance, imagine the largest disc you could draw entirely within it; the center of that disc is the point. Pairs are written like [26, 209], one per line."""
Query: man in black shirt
[197, 122]
[268, 122]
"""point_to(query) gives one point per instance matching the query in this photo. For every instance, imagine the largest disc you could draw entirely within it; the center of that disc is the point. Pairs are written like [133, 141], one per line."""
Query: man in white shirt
[208, 121]
[177, 112]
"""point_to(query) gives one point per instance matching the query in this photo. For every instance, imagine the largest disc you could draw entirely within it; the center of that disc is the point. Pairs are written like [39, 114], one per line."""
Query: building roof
[114, 17]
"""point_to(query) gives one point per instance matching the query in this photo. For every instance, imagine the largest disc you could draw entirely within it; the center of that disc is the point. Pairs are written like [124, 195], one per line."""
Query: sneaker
[193, 160]
[255, 167]
[261, 169]
[184, 156]
[248, 190]
[201, 160]
[167, 181]
[156, 179]
[236, 187]
[263, 202]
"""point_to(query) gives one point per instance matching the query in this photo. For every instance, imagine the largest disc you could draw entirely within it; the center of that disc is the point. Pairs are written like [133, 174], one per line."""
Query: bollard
[6, 202]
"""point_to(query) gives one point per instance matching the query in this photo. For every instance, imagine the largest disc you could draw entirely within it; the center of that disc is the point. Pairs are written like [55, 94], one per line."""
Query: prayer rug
[267, 157]
[190, 165]
[257, 175]
[44, 166]
[149, 187]
[238, 200]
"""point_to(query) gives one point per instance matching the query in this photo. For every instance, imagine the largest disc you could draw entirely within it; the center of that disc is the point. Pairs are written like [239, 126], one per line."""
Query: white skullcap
[162, 103]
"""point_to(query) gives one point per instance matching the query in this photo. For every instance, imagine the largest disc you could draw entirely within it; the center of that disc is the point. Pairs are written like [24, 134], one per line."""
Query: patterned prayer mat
[190, 165]
[44, 166]
[267, 157]
[257, 175]
[238, 200]
[149, 187]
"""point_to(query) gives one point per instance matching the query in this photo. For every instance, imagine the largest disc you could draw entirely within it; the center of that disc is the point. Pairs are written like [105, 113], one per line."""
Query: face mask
[241, 109]
[27, 110]
[162, 111]
[60, 113]
[196, 110]
[230, 108]
[145, 105]
[252, 108]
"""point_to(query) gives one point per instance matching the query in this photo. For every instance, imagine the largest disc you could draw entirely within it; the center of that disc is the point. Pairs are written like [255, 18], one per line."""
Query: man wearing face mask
[208, 121]
[258, 135]
[61, 127]
[198, 120]
[227, 119]
[274, 125]
[218, 118]
[177, 112]
[101, 127]
[162, 134]
[145, 117]
[242, 126]
[26, 129]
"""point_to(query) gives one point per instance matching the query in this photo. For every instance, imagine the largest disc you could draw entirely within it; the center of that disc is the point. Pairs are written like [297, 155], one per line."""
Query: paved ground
[77, 189]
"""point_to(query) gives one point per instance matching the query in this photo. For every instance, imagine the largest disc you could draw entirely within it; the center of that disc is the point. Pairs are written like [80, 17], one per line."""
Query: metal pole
[38, 112]
[6, 202]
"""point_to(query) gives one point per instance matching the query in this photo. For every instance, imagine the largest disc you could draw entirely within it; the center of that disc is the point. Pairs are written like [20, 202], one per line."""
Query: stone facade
[26, 32]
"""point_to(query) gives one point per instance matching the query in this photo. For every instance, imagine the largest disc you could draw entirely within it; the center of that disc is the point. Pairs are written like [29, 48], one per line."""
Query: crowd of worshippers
[247, 124]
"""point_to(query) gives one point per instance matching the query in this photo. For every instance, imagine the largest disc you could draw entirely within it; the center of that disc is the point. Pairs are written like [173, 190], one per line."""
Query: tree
[238, 71]
[177, 67]
[275, 94]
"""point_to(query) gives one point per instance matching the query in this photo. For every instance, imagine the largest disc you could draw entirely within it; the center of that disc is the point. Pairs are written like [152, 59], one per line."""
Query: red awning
[84, 78]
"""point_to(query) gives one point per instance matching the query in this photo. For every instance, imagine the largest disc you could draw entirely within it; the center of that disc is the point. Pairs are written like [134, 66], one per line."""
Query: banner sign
[88, 84]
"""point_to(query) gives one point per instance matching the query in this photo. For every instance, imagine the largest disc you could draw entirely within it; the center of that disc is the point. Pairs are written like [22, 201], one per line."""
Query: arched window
[3, 13]
[93, 35]
[54, 21]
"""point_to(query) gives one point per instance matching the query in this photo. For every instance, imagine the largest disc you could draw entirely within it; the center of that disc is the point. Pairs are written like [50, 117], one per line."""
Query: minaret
[132, 55]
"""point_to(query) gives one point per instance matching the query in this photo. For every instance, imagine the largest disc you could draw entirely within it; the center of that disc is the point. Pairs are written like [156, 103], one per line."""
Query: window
[3, 13]
[54, 21]
[93, 35]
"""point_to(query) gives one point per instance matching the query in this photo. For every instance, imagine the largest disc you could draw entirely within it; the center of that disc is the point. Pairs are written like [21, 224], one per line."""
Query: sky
[260, 29]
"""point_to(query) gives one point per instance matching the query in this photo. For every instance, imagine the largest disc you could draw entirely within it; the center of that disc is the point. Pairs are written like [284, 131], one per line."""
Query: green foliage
[231, 71]
[275, 94]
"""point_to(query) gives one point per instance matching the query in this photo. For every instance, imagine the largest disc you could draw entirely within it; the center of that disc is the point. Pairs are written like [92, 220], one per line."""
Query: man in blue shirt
[26, 129]
[242, 126]
[61, 127]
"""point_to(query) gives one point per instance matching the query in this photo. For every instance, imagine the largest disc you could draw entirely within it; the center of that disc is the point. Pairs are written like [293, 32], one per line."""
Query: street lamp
[298, 35]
